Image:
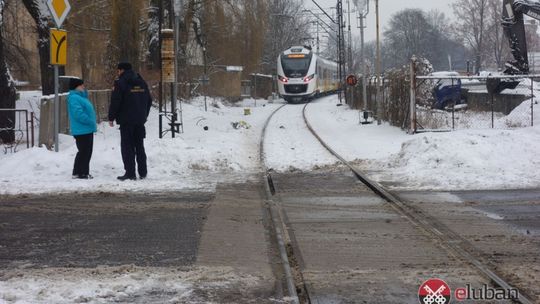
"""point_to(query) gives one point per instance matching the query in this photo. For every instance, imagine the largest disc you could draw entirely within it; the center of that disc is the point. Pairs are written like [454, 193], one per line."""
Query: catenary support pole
[412, 114]
[160, 92]
[363, 15]
[378, 72]
[532, 102]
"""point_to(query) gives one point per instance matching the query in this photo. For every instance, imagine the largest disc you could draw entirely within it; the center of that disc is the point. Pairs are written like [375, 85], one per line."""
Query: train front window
[296, 67]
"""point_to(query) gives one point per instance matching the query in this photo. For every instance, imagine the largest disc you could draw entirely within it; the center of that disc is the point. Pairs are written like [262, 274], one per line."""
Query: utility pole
[363, 14]
[176, 20]
[349, 58]
[160, 93]
[318, 40]
[350, 63]
[274, 50]
[341, 50]
[378, 69]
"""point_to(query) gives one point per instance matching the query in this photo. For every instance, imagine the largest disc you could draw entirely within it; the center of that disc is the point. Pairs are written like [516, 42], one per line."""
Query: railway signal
[352, 80]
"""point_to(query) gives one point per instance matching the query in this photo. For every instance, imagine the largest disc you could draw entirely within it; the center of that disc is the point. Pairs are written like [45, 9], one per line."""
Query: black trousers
[132, 146]
[85, 145]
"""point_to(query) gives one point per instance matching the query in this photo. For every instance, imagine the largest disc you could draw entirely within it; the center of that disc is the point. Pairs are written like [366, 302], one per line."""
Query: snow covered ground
[123, 284]
[459, 160]
[198, 159]
[290, 146]
[195, 159]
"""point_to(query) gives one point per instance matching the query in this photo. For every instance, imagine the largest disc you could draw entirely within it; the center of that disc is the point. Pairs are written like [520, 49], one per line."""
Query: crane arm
[514, 30]
[529, 8]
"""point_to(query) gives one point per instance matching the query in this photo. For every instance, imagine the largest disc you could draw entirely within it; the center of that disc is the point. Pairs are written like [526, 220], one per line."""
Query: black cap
[74, 83]
[124, 66]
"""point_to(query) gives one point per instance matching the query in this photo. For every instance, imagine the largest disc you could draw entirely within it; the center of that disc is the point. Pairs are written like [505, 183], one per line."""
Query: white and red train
[302, 75]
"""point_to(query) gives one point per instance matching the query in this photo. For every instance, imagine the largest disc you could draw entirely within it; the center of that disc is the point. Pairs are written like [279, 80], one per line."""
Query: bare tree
[444, 45]
[495, 41]
[152, 32]
[471, 26]
[330, 51]
[287, 25]
[16, 32]
[7, 90]
[88, 23]
[39, 12]
[125, 43]
[189, 9]
[408, 33]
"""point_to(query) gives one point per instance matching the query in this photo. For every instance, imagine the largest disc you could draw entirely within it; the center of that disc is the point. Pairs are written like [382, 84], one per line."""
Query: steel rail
[277, 220]
[411, 213]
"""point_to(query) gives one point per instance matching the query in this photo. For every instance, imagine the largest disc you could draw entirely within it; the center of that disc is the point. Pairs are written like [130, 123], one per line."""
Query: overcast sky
[387, 8]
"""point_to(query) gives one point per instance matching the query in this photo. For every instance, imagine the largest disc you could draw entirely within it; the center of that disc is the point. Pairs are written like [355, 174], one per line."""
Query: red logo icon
[434, 291]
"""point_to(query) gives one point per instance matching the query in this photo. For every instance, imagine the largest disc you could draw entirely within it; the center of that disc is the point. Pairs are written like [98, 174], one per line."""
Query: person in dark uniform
[130, 106]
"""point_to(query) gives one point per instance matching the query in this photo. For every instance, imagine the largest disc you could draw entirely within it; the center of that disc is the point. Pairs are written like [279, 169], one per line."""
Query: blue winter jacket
[82, 117]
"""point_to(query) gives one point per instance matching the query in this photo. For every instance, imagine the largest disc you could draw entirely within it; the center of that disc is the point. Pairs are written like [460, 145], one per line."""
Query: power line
[322, 10]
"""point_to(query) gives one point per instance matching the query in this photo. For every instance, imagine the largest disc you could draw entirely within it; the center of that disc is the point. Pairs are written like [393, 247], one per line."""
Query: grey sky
[387, 8]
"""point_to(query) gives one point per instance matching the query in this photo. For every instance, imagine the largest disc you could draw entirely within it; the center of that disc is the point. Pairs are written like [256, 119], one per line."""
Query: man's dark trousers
[132, 146]
[85, 145]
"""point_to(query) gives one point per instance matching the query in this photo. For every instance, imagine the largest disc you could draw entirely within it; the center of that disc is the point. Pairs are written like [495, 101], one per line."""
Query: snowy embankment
[195, 159]
[491, 159]
[459, 160]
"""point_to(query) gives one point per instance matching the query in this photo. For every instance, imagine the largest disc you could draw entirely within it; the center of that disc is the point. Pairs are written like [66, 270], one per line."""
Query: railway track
[441, 235]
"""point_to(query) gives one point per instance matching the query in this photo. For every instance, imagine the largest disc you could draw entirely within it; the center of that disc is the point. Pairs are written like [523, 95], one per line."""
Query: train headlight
[309, 78]
[283, 79]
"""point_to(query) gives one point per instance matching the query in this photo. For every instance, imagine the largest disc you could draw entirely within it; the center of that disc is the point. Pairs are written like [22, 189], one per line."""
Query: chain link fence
[453, 102]
[445, 101]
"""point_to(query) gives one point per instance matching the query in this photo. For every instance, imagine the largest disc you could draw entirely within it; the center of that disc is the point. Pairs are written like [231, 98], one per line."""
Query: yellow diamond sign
[59, 10]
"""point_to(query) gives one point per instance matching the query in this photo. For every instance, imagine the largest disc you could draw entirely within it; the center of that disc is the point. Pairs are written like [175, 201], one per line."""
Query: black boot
[126, 176]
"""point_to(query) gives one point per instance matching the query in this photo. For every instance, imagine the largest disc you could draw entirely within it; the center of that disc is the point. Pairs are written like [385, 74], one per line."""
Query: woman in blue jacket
[82, 119]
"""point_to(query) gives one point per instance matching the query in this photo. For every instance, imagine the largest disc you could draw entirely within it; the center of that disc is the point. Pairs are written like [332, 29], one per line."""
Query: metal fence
[389, 103]
[20, 131]
[442, 103]
[100, 100]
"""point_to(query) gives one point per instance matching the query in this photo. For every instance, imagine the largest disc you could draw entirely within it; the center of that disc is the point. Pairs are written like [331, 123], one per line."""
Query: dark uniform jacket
[130, 100]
